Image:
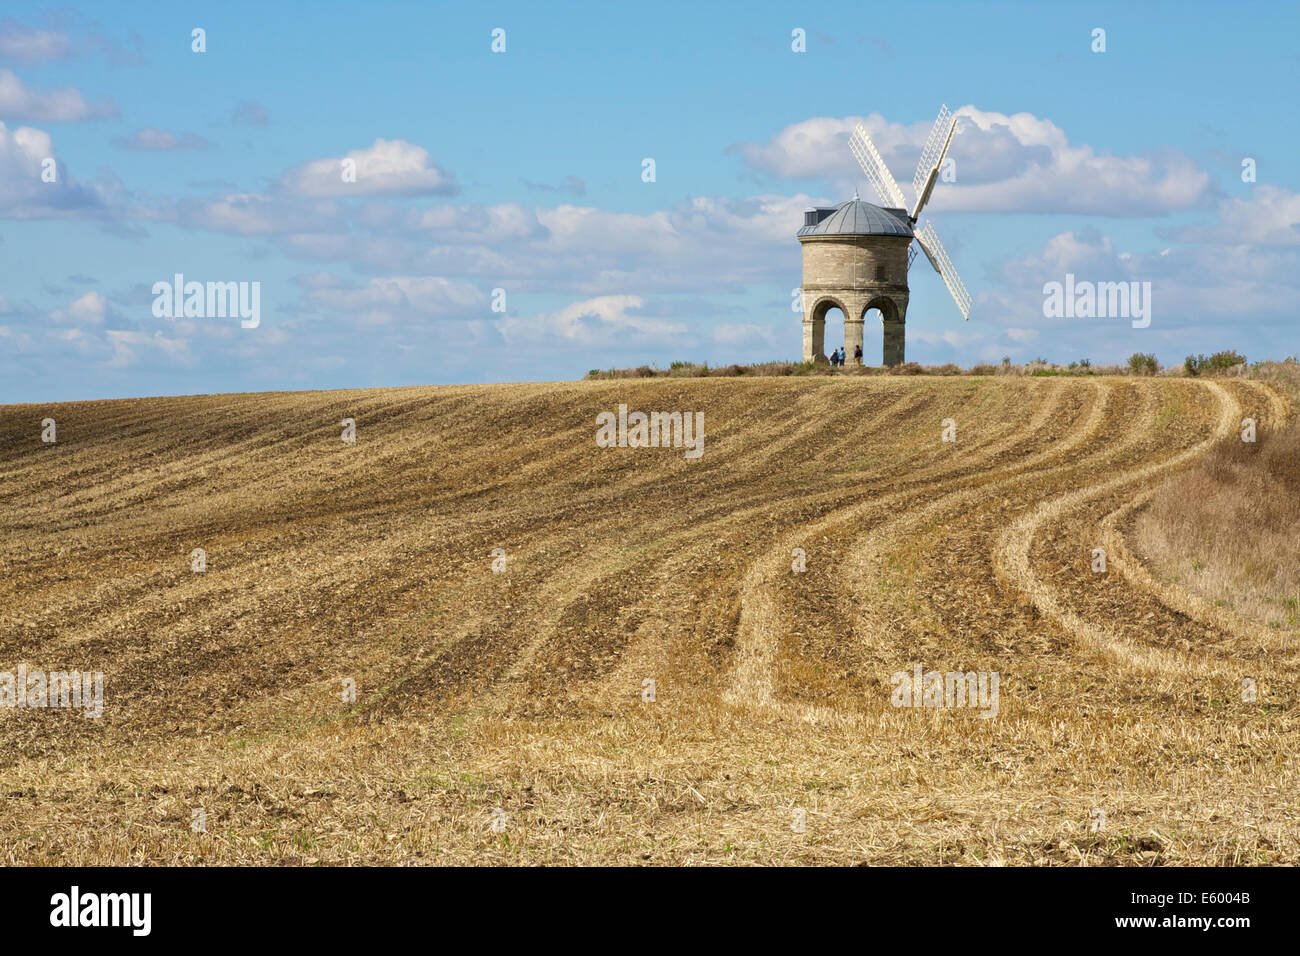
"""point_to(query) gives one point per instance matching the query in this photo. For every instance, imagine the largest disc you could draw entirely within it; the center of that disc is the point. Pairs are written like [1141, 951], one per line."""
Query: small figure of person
[857, 353]
[835, 358]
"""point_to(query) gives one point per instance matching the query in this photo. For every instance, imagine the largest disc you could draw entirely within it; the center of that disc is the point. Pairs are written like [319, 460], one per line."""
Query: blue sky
[522, 171]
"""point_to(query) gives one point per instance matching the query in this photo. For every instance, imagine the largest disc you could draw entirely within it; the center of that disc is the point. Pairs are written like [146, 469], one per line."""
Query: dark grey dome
[857, 218]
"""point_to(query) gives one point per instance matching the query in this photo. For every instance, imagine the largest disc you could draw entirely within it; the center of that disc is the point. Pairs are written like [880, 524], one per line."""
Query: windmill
[923, 180]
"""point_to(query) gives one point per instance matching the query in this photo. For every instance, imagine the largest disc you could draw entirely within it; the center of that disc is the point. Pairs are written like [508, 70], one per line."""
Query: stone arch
[814, 324]
[824, 303]
[893, 315]
[885, 305]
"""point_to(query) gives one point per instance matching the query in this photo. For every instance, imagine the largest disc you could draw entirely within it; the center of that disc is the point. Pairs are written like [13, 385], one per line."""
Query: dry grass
[1039, 367]
[1229, 528]
[523, 690]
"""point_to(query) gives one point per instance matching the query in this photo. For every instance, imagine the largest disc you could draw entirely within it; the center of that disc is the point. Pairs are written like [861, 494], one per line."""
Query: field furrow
[670, 656]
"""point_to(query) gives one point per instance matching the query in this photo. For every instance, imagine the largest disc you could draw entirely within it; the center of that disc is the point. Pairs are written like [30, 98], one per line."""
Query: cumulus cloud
[247, 214]
[1087, 253]
[704, 244]
[30, 46]
[1195, 292]
[126, 347]
[389, 167]
[393, 295]
[1073, 179]
[599, 321]
[24, 191]
[1270, 217]
[1003, 163]
[495, 223]
[161, 140]
[816, 148]
[90, 309]
[65, 105]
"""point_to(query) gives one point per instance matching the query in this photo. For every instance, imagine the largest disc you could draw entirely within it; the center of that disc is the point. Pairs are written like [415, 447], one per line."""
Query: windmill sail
[934, 251]
[932, 154]
[878, 174]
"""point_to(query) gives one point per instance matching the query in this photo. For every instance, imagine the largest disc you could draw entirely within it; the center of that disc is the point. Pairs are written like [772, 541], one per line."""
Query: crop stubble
[523, 689]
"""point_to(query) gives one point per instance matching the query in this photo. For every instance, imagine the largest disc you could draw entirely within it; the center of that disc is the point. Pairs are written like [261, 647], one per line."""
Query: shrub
[1143, 363]
[1218, 362]
[983, 369]
[906, 368]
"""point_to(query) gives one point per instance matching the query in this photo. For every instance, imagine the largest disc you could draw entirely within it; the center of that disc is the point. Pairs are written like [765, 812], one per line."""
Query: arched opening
[873, 330]
[827, 335]
[882, 313]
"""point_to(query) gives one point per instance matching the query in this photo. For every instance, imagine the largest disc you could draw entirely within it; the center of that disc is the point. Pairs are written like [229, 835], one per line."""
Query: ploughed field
[1121, 732]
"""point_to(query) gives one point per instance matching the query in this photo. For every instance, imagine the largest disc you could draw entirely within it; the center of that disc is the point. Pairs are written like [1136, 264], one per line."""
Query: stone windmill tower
[856, 256]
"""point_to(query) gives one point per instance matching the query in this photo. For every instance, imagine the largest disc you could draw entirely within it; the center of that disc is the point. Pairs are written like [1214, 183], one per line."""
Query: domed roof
[857, 218]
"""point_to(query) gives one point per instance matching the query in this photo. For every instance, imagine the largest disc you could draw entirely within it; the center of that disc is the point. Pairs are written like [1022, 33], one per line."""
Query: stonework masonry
[854, 273]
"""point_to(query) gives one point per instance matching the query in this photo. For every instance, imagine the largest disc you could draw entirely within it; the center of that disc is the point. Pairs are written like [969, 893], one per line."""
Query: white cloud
[126, 347]
[24, 192]
[57, 106]
[423, 295]
[602, 320]
[747, 335]
[90, 309]
[1194, 290]
[1271, 217]
[248, 214]
[30, 46]
[503, 221]
[389, 167]
[1016, 163]
[1070, 178]
[1087, 253]
[817, 148]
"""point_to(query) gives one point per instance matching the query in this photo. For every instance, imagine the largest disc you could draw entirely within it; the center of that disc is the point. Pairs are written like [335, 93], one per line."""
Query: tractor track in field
[597, 594]
[373, 561]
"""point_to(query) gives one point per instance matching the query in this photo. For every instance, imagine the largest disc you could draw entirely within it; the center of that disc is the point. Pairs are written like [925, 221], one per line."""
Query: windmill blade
[934, 251]
[932, 154]
[877, 172]
[911, 254]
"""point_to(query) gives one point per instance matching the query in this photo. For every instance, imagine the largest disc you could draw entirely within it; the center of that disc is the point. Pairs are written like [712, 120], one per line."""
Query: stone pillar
[894, 329]
[814, 336]
[852, 340]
